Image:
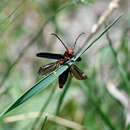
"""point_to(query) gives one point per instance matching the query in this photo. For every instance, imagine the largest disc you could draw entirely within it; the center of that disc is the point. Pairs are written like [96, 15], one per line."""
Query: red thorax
[69, 53]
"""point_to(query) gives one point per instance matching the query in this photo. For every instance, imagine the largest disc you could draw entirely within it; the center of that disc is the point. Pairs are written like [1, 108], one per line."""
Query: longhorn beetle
[61, 60]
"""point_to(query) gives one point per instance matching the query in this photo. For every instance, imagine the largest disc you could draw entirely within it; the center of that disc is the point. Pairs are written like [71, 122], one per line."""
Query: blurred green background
[100, 103]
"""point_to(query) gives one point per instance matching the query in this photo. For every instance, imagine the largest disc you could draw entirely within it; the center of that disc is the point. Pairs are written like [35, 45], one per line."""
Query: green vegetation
[91, 104]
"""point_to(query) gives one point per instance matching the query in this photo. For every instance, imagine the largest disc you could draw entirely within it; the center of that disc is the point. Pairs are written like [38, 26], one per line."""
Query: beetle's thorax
[69, 54]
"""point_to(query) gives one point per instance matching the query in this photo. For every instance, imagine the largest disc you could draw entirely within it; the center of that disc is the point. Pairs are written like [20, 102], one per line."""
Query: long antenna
[77, 39]
[60, 40]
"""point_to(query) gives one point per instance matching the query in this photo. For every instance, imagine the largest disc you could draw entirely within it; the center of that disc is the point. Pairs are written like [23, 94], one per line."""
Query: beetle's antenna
[60, 40]
[77, 39]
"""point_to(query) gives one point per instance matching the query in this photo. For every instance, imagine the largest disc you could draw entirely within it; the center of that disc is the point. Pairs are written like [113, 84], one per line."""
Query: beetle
[61, 60]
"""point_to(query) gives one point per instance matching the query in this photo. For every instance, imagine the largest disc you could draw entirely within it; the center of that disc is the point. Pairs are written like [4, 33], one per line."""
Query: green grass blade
[96, 104]
[37, 120]
[8, 73]
[6, 20]
[106, 29]
[63, 95]
[121, 69]
[42, 84]
[44, 123]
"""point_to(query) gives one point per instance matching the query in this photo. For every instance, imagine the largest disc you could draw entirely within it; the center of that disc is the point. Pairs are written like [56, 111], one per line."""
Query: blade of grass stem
[18, 7]
[43, 108]
[94, 101]
[106, 29]
[101, 113]
[21, 55]
[11, 22]
[65, 5]
[122, 71]
[43, 83]
[44, 123]
[27, 47]
[63, 95]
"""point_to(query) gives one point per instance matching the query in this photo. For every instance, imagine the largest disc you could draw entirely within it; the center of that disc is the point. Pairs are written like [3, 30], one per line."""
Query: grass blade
[121, 69]
[43, 83]
[106, 29]
[63, 95]
[44, 123]
[37, 120]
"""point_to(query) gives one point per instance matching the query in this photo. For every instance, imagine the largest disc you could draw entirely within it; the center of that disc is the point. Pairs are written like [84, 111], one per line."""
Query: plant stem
[44, 123]
[43, 108]
[88, 46]
[95, 102]
[63, 95]
[122, 71]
